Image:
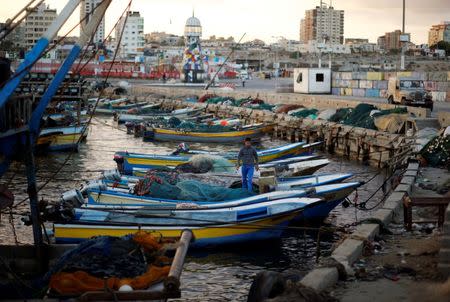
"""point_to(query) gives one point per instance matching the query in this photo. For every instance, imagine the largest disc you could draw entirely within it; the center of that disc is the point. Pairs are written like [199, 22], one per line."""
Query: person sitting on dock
[249, 159]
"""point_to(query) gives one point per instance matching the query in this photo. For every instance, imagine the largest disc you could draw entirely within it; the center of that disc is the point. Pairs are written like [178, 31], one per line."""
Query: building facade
[323, 23]
[439, 32]
[351, 41]
[37, 23]
[392, 40]
[132, 44]
[85, 14]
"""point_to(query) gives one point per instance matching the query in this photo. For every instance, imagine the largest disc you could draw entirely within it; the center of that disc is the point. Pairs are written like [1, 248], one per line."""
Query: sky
[268, 19]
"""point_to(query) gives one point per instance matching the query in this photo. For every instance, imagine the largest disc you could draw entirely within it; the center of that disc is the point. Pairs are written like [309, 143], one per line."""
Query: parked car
[409, 92]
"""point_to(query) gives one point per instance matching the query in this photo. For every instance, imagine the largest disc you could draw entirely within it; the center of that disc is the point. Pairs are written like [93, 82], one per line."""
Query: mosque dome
[193, 21]
[193, 27]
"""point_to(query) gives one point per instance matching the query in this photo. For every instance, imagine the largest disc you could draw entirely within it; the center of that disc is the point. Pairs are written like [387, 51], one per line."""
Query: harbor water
[209, 275]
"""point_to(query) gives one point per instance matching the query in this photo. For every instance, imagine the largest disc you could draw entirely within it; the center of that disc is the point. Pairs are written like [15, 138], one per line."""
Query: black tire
[391, 99]
[266, 285]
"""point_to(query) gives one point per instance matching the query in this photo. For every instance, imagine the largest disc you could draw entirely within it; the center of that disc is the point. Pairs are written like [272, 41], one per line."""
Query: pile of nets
[203, 163]
[230, 101]
[110, 262]
[203, 127]
[362, 115]
[168, 186]
[437, 152]
[183, 125]
[305, 113]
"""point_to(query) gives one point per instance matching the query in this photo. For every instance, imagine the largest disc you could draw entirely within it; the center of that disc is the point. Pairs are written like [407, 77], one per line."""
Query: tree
[442, 45]
[295, 55]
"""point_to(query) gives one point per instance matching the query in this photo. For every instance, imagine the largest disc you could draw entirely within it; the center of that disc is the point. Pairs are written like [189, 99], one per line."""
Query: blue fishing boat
[333, 194]
[211, 227]
[128, 161]
[61, 138]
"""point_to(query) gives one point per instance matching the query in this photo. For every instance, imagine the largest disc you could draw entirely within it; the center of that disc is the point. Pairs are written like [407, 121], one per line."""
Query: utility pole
[402, 58]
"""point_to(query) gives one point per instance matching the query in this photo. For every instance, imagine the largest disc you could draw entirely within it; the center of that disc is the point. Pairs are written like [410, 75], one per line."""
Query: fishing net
[203, 127]
[221, 100]
[203, 163]
[134, 260]
[362, 115]
[169, 186]
[437, 152]
[305, 113]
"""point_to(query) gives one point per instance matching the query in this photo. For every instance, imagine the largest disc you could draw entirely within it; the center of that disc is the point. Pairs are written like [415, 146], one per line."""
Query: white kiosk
[312, 80]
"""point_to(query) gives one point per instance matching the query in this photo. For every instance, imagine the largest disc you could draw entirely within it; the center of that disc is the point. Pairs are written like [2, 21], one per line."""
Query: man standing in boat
[248, 157]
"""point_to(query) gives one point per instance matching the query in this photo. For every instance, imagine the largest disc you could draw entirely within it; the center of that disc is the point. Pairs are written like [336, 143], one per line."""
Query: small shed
[312, 80]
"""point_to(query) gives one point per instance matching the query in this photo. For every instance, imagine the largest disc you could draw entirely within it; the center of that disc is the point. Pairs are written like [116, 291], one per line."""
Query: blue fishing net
[169, 186]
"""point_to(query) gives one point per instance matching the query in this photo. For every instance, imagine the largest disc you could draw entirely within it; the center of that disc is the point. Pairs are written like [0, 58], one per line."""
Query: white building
[312, 80]
[132, 44]
[37, 23]
[315, 47]
[85, 15]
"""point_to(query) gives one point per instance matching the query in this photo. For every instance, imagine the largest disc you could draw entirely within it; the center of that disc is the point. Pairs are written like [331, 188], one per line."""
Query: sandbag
[391, 123]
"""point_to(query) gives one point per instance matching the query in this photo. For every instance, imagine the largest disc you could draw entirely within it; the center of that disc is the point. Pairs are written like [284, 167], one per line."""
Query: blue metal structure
[21, 140]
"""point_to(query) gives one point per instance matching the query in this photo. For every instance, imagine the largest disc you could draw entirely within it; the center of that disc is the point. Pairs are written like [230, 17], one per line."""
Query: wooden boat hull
[131, 161]
[170, 135]
[61, 138]
[258, 230]
[333, 194]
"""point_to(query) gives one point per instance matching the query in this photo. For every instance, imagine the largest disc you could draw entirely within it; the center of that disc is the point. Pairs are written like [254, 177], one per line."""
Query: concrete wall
[309, 101]
[375, 84]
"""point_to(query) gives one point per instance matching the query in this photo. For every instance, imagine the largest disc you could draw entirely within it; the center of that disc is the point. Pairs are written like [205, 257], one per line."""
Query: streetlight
[402, 57]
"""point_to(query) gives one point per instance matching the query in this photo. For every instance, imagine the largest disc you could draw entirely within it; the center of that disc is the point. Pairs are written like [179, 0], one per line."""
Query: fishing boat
[333, 194]
[20, 128]
[179, 113]
[296, 168]
[293, 183]
[283, 184]
[255, 132]
[61, 138]
[210, 227]
[111, 107]
[127, 161]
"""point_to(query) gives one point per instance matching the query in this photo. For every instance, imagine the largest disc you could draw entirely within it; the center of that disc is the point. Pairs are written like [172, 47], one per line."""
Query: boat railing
[16, 114]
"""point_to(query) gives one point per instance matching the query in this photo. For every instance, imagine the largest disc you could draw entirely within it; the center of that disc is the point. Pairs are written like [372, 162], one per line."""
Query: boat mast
[36, 52]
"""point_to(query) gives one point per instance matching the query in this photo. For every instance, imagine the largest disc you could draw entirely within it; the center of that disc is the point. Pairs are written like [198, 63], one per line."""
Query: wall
[375, 84]
[309, 101]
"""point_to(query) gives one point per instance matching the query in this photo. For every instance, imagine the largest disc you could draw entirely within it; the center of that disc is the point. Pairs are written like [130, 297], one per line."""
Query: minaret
[193, 70]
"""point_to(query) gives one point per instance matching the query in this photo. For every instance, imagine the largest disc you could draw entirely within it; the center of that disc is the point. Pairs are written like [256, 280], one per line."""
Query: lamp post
[402, 57]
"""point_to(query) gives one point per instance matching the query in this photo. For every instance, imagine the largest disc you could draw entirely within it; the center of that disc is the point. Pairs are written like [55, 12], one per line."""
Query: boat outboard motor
[73, 198]
[111, 175]
[181, 148]
[92, 185]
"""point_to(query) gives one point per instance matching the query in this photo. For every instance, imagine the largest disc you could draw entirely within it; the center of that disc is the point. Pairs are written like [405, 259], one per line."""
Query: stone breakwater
[379, 149]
